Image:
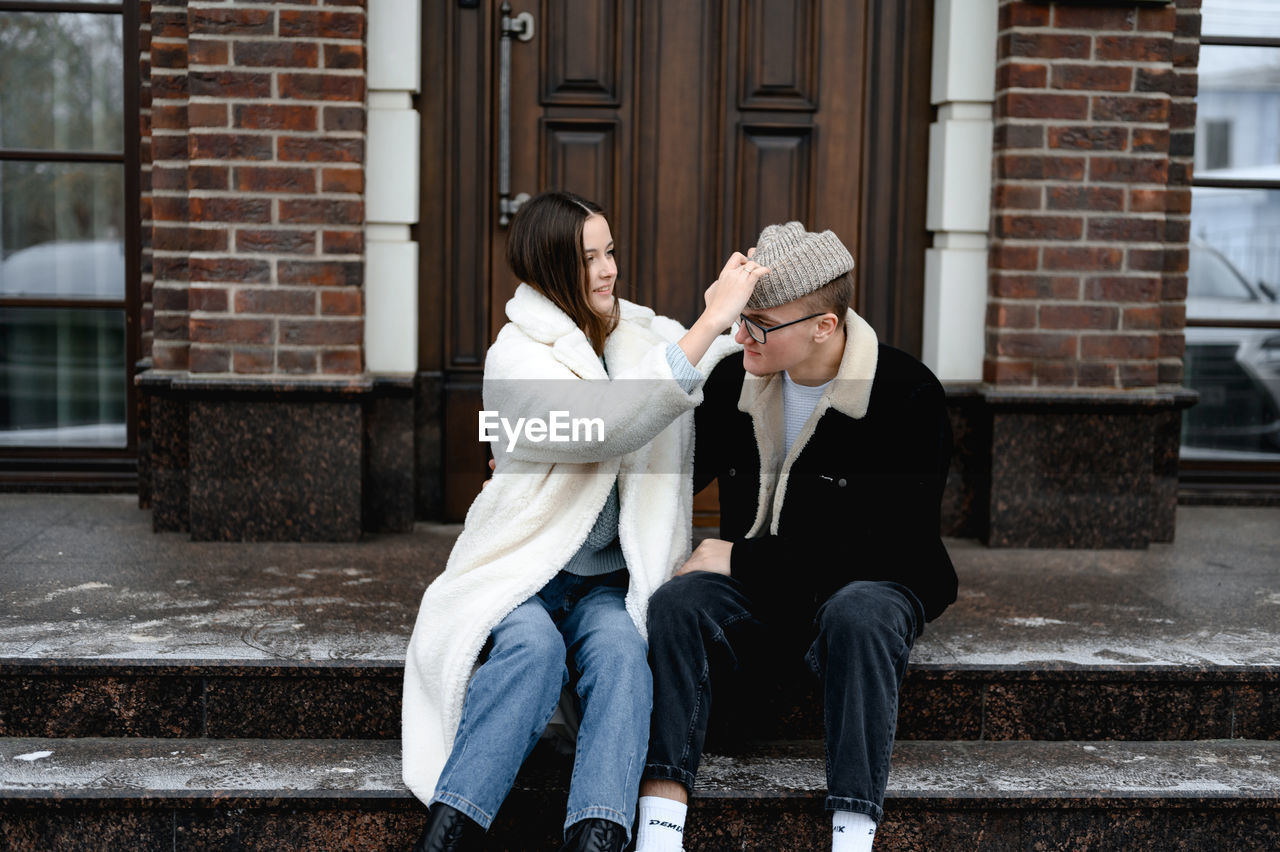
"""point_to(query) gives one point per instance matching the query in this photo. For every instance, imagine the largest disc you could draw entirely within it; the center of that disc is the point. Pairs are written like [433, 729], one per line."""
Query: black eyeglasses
[759, 333]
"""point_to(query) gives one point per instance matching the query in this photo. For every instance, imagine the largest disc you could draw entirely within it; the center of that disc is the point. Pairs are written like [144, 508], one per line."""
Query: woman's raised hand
[725, 300]
[728, 294]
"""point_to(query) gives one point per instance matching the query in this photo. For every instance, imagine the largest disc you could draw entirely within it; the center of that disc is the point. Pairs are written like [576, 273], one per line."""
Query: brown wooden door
[694, 124]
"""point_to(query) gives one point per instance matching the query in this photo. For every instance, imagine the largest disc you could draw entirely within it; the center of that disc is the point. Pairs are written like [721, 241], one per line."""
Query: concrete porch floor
[83, 578]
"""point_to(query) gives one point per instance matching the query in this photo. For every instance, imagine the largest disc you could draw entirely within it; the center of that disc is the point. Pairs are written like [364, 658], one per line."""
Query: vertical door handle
[520, 26]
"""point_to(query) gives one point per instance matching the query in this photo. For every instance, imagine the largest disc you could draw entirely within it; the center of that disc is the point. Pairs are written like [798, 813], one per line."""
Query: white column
[959, 209]
[391, 188]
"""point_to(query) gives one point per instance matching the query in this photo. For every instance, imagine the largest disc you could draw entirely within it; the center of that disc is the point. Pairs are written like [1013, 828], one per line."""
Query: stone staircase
[159, 694]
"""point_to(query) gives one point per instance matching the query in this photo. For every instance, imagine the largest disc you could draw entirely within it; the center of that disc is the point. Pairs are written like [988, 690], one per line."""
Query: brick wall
[1182, 140]
[1091, 193]
[257, 147]
[168, 123]
[144, 183]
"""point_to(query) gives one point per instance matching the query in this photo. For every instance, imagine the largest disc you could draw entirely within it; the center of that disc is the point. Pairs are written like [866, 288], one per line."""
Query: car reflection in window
[62, 363]
[1235, 368]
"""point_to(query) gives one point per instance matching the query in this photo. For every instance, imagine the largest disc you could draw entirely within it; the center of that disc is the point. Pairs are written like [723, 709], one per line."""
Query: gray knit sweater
[601, 553]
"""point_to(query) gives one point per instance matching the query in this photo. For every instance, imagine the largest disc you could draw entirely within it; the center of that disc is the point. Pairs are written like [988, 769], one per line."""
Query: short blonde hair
[833, 297]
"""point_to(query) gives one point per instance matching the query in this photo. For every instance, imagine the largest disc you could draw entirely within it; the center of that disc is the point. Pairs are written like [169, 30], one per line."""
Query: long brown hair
[544, 248]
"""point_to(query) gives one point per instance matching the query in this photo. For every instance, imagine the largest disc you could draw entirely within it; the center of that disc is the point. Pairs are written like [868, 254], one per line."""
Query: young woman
[553, 570]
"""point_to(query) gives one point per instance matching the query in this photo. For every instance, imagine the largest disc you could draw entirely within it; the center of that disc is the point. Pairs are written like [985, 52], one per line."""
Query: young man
[831, 451]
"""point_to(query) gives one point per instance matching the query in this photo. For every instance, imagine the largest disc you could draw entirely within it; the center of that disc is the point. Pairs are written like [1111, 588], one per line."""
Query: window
[68, 229]
[1217, 139]
[1233, 304]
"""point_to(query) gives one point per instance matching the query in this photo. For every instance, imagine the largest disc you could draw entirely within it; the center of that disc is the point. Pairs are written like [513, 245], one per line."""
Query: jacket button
[843, 482]
[733, 471]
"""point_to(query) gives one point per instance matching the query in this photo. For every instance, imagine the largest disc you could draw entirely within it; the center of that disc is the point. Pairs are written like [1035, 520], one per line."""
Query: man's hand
[712, 555]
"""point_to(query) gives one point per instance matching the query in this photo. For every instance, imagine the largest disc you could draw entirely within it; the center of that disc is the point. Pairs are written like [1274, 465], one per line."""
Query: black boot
[595, 835]
[449, 830]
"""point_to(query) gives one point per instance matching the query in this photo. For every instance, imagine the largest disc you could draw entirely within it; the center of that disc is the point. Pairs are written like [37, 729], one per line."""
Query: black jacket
[862, 499]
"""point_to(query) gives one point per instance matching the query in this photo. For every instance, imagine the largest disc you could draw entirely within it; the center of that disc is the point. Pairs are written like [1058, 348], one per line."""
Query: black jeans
[703, 629]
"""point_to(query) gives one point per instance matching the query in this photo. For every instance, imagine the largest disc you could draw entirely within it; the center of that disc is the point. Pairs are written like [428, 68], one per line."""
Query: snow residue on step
[261, 767]
[193, 623]
[83, 587]
[221, 636]
[1068, 770]
[1024, 770]
[1031, 622]
[720, 774]
[1095, 648]
[35, 755]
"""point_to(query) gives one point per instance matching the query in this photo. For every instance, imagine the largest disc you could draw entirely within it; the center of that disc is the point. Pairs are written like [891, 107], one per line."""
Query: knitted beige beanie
[799, 262]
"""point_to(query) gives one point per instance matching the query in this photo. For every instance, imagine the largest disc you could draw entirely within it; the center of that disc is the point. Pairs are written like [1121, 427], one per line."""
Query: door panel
[582, 55]
[675, 220]
[694, 124]
[795, 79]
[582, 152]
[773, 179]
[468, 177]
[779, 49]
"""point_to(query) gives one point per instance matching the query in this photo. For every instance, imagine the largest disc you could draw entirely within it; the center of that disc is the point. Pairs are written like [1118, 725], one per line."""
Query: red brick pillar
[168, 183]
[1088, 267]
[1081, 175]
[1182, 141]
[144, 182]
[256, 140]
[1173, 308]
[276, 152]
[146, 314]
[257, 392]
[163, 419]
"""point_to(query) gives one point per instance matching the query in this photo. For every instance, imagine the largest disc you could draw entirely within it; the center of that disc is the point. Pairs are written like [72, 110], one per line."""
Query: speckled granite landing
[229, 770]
[257, 771]
[83, 579]
[107, 629]
[347, 794]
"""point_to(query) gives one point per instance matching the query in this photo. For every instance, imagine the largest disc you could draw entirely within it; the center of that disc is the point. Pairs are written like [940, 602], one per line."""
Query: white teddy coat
[544, 498]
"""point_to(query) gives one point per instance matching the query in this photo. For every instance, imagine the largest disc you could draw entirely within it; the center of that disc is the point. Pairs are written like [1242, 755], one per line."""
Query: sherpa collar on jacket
[761, 397]
[540, 319]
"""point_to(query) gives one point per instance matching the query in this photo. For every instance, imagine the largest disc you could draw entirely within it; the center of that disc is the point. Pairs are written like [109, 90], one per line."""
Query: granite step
[161, 794]
[356, 699]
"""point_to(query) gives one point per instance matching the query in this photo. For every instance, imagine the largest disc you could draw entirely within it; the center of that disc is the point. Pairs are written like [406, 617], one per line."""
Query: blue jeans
[705, 632]
[577, 624]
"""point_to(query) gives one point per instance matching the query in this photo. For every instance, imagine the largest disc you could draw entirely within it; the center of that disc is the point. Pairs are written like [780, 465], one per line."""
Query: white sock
[661, 825]
[852, 832]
